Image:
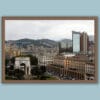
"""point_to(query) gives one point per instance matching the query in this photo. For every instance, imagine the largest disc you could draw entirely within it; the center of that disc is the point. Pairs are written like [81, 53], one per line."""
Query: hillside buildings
[80, 64]
[71, 58]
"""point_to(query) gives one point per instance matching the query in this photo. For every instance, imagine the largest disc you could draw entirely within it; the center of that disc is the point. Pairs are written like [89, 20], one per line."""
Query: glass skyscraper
[76, 41]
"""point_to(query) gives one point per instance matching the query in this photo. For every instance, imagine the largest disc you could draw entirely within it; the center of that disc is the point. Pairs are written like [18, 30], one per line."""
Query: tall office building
[76, 41]
[84, 43]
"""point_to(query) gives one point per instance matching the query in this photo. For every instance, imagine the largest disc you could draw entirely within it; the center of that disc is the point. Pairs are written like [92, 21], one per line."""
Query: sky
[46, 29]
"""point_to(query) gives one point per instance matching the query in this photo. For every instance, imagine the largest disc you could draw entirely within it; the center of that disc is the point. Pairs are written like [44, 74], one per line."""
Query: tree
[33, 60]
[19, 74]
[43, 69]
[9, 72]
[39, 72]
[12, 60]
[11, 67]
[6, 62]
[35, 71]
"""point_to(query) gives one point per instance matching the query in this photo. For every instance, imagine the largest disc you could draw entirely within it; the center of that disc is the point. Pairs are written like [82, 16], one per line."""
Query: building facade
[84, 43]
[76, 41]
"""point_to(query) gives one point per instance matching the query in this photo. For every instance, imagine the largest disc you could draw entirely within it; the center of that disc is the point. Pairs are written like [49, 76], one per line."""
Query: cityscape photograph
[49, 50]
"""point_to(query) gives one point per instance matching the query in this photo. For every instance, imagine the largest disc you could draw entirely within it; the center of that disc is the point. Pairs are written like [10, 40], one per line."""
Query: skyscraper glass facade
[76, 41]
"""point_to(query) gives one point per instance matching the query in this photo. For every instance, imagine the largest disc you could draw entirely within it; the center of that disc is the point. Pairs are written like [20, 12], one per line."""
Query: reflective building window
[76, 41]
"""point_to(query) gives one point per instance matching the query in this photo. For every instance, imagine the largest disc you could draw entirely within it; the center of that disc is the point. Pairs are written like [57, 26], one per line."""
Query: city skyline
[49, 49]
[46, 29]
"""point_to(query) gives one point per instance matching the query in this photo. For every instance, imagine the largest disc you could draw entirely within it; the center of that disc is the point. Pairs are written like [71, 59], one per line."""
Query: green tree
[9, 72]
[35, 71]
[19, 74]
[12, 60]
[34, 60]
[6, 62]
[43, 69]
[39, 72]
[11, 67]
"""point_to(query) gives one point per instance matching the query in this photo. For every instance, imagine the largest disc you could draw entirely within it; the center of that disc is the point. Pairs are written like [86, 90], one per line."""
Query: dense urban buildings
[63, 60]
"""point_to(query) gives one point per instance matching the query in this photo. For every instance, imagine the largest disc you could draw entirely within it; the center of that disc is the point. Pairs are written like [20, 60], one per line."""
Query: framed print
[49, 49]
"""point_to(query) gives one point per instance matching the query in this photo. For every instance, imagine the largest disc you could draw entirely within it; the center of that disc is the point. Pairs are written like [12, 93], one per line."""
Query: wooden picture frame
[67, 70]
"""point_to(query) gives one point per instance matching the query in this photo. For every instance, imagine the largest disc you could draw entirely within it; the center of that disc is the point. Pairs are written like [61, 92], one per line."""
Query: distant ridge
[39, 42]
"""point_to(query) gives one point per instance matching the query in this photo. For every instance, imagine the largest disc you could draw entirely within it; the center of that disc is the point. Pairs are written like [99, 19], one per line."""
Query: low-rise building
[77, 66]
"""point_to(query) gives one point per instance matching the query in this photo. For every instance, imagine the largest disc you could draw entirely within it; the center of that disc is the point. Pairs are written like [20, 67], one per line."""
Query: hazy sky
[46, 29]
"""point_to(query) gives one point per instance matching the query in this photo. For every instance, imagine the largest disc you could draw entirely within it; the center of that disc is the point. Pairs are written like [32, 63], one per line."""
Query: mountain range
[40, 42]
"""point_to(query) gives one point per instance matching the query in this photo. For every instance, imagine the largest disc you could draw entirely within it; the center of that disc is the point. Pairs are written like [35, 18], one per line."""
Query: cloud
[50, 29]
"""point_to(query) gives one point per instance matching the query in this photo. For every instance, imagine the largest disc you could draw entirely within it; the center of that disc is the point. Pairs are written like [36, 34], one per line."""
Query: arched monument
[23, 63]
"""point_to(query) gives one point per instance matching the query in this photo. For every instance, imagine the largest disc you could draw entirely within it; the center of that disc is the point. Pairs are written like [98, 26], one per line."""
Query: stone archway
[23, 67]
[23, 63]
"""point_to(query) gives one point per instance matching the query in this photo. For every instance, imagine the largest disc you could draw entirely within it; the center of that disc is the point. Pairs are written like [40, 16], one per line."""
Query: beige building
[59, 61]
[11, 52]
[84, 43]
[77, 66]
